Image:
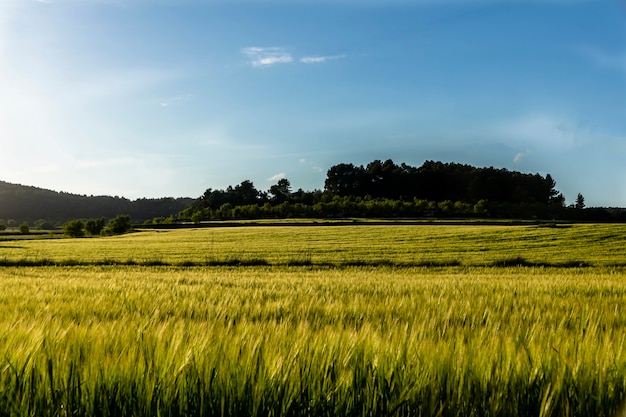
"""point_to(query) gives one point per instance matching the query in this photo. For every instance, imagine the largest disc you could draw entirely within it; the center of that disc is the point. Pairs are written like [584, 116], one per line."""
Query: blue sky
[154, 98]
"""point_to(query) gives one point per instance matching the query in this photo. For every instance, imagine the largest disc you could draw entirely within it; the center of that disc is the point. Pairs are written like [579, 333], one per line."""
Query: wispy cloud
[263, 57]
[520, 157]
[319, 59]
[166, 102]
[277, 177]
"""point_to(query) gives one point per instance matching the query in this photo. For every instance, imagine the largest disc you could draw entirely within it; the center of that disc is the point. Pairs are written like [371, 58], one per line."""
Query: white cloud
[277, 177]
[175, 100]
[319, 59]
[263, 57]
[519, 157]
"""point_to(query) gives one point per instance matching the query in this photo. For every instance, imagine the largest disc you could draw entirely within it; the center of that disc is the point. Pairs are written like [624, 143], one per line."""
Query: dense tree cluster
[437, 181]
[379, 189]
[95, 227]
[385, 189]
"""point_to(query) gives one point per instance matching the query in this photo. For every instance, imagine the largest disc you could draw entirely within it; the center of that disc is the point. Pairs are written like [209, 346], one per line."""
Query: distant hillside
[26, 203]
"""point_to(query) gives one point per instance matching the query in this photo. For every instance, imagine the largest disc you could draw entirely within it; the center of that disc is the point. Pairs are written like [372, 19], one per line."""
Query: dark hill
[26, 203]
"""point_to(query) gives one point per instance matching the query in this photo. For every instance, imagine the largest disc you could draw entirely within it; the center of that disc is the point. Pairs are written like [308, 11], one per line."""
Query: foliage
[24, 229]
[580, 202]
[24, 202]
[78, 228]
[437, 181]
[335, 207]
[384, 189]
[196, 217]
[43, 224]
[379, 189]
[280, 192]
[95, 226]
[74, 228]
[160, 220]
[240, 195]
[118, 225]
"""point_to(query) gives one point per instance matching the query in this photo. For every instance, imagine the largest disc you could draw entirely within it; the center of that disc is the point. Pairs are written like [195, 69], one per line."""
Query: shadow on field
[513, 262]
[521, 261]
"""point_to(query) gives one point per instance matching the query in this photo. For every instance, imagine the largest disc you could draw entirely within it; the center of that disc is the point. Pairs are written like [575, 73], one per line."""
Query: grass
[382, 325]
[400, 245]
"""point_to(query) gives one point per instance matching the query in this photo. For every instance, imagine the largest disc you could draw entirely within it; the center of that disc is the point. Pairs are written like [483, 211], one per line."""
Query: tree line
[437, 181]
[31, 205]
[98, 227]
[378, 189]
[385, 189]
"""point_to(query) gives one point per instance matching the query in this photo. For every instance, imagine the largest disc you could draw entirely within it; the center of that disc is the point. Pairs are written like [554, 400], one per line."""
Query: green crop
[428, 245]
[377, 327]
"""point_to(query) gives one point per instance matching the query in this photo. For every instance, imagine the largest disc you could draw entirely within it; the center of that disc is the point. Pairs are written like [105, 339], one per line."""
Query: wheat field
[316, 321]
[428, 245]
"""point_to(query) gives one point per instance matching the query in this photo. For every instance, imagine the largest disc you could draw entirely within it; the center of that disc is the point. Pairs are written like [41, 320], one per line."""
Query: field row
[564, 246]
[263, 341]
[109, 337]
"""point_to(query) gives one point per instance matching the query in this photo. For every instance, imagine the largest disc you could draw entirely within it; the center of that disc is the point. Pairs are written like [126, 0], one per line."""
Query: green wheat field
[351, 320]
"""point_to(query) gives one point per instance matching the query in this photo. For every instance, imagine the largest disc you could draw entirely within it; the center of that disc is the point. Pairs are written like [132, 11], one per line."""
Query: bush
[196, 217]
[119, 225]
[95, 226]
[43, 224]
[74, 228]
[24, 229]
